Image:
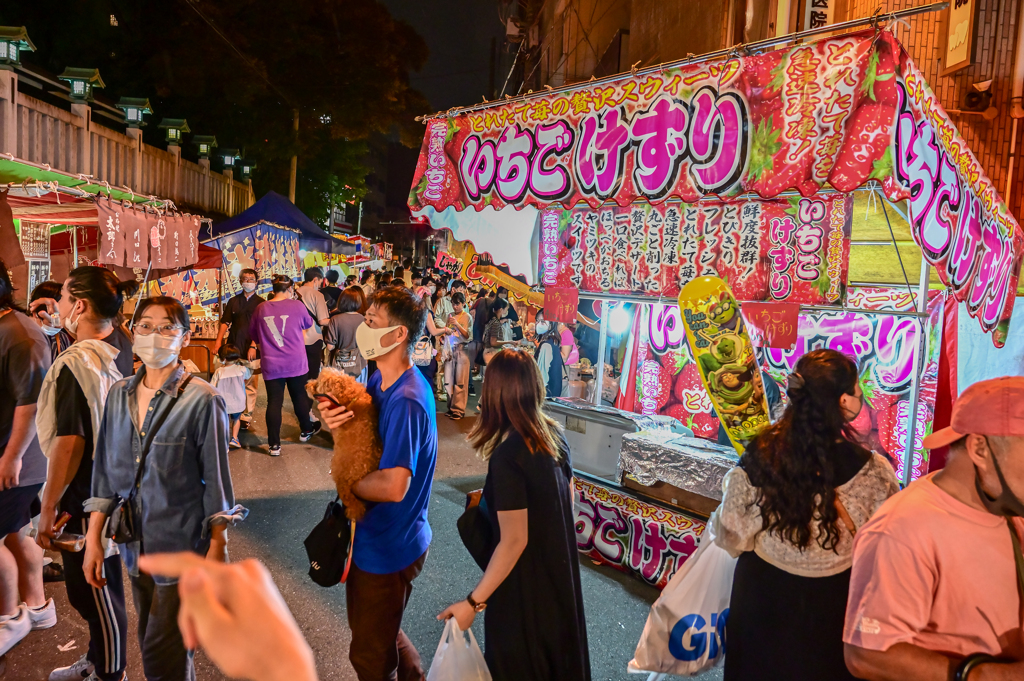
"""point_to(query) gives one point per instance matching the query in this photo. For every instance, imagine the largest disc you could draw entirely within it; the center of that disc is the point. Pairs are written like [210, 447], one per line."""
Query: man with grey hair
[938, 572]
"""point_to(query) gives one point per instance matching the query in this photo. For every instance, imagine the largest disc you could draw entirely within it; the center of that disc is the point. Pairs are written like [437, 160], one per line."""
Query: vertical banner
[136, 237]
[111, 249]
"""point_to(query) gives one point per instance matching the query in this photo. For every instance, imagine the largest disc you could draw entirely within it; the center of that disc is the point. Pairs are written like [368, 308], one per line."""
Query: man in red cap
[935, 592]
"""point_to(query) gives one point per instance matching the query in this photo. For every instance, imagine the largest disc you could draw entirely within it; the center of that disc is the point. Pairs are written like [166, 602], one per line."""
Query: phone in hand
[332, 403]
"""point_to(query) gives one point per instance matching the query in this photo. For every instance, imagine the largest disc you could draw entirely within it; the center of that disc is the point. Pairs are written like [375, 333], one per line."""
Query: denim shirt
[186, 485]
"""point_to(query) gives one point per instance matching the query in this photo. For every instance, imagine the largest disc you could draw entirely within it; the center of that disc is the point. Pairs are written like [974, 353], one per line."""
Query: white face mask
[249, 286]
[542, 328]
[157, 351]
[71, 324]
[50, 330]
[368, 341]
[432, 289]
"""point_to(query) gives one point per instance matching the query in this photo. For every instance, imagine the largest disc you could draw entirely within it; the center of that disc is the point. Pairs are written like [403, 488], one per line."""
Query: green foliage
[344, 64]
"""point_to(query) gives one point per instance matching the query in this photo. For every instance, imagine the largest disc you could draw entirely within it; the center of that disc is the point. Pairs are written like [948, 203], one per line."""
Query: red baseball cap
[992, 407]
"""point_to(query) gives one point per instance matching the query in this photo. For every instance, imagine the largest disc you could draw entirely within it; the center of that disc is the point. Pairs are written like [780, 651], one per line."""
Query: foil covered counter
[689, 463]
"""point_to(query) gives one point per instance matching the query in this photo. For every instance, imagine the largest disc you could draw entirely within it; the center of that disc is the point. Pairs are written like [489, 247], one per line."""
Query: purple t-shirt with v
[276, 327]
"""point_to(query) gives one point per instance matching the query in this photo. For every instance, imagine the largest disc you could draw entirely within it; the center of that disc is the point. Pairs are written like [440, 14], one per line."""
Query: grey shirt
[24, 361]
[186, 484]
[316, 304]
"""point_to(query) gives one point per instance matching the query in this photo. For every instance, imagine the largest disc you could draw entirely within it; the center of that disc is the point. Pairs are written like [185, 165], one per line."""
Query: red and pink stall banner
[796, 250]
[844, 111]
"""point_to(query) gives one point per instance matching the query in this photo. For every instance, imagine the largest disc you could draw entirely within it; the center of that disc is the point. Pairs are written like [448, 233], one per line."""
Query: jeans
[275, 402]
[380, 650]
[456, 379]
[164, 657]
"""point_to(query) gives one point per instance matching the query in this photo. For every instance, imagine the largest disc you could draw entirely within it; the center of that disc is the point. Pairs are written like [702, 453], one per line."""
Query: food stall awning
[277, 211]
[841, 112]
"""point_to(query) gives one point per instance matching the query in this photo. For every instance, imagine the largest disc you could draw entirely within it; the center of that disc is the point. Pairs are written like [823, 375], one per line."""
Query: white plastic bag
[458, 659]
[685, 632]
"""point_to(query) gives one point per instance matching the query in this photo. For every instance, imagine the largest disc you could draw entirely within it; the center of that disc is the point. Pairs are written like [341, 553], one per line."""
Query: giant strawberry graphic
[674, 359]
[866, 150]
[702, 424]
[879, 84]
[761, 81]
[769, 172]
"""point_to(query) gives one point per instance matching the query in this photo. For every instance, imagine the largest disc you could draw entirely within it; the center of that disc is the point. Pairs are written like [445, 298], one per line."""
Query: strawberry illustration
[879, 84]
[702, 424]
[687, 383]
[761, 82]
[769, 172]
[863, 156]
[674, 359]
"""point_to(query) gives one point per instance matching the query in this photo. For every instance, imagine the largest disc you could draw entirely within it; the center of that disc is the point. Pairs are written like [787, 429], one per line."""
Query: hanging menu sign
[35, 240]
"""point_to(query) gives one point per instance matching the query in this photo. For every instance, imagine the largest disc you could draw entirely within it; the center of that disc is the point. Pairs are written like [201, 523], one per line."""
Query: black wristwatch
[969, 663]
[477, 607]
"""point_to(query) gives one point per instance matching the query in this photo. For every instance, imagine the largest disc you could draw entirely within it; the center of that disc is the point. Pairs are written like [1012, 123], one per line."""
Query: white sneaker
[93, 677]
[43, 617]
[83, 669]
[13, 628]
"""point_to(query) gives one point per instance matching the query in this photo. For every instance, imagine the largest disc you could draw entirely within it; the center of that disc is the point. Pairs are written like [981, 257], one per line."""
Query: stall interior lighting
[619, 319]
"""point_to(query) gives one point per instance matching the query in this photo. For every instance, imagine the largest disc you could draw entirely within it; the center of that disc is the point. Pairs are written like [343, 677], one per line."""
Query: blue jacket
[186, 485]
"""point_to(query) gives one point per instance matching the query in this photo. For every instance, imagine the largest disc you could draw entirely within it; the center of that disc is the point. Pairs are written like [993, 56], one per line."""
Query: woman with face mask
[162, 462]
[276, 329]
[549, 359]
[71, 406]
[789, 512]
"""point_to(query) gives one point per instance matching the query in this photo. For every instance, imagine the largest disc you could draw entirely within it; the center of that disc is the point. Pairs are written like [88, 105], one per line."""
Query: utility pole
[295, 156]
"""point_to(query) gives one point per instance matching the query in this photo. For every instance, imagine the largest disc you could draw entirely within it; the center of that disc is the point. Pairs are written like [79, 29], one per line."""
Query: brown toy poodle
[357, 447]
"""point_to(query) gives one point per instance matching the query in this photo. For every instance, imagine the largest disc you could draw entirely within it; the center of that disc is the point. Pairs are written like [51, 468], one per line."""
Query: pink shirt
[568, 339]
[934, 572]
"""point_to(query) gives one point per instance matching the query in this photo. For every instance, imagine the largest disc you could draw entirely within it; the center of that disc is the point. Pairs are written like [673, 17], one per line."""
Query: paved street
[286, 497]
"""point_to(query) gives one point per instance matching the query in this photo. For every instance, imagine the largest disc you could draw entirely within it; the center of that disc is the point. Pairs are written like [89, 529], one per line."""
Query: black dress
[534, 626]
[784, 627]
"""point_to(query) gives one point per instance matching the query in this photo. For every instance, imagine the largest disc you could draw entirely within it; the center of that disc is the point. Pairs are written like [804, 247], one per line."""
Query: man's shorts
[17, 508]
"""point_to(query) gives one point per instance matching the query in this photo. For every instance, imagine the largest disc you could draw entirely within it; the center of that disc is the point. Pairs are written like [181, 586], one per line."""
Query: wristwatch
[477, 607]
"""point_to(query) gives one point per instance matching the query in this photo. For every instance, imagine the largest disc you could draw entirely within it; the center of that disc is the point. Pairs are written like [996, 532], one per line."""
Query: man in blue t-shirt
[392, 539]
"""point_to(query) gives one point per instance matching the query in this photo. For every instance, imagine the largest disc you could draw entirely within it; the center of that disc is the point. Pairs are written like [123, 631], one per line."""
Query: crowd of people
[840, 574]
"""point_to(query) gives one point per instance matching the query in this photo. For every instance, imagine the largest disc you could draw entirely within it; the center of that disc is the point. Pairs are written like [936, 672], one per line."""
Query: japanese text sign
[795, 250]
[560, 304]
[845, 111]
[448, 263]
[772, 325]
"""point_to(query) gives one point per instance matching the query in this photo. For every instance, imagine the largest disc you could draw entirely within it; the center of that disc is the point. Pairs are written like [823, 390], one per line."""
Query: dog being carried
[357, 446]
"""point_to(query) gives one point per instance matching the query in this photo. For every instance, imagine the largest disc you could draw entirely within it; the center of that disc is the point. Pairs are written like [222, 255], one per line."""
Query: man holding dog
[392, 539]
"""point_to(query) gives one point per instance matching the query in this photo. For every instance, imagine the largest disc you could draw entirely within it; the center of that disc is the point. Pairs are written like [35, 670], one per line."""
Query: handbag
[329, 546]
[422, 353]
[123, 527]
[475, 529]
[347, 360]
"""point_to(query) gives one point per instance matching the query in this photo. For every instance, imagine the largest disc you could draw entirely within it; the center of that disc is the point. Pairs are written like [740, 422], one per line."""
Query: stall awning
[841, 112]
[277, 211]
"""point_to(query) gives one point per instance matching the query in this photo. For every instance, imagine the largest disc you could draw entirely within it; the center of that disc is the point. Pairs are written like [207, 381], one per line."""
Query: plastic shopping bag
[458, 659]
[685, 631]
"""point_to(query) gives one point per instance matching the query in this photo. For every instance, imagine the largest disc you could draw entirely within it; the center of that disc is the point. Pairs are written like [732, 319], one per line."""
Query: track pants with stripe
[102, 609]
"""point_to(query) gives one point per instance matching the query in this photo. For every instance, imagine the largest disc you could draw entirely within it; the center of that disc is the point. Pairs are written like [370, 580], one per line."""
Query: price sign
[560, 304]
[772, 325]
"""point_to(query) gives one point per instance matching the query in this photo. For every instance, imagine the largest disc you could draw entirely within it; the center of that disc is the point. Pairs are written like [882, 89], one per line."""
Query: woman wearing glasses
[162, 456]
[70, 407]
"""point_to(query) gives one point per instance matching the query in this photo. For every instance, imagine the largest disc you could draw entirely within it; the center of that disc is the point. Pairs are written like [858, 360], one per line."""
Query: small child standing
[229, 380]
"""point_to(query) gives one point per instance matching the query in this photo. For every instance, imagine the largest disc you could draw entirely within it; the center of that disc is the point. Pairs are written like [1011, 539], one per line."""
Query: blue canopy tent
[277, 212]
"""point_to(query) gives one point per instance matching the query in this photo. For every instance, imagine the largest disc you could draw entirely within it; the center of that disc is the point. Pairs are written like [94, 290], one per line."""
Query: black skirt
[784, 627]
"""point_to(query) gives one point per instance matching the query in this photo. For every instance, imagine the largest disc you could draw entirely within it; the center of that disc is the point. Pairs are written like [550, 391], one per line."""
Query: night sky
[458, 33]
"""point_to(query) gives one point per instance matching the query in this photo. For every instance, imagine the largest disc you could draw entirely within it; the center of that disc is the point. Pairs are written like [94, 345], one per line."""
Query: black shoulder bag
[475, 529]
[329, 546]
[124, 526]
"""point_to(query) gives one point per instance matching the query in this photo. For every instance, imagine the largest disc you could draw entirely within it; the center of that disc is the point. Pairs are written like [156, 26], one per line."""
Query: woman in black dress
[533, 625]
[789, 511]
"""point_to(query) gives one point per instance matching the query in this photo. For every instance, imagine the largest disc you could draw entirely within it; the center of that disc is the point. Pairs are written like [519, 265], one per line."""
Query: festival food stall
[748, 167]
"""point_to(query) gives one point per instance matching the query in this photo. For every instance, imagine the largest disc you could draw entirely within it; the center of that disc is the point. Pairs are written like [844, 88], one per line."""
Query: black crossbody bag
[329, 546]
[124, 527]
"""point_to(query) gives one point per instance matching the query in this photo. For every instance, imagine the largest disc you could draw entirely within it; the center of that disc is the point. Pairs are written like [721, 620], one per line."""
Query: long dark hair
[512, 398]
[7, 291]
[792, 462]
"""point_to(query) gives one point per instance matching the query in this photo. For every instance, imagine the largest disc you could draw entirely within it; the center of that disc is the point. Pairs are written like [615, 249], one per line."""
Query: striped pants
[102, 609]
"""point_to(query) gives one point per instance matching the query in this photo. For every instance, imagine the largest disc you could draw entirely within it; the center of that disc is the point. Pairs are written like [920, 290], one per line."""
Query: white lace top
[737, 521]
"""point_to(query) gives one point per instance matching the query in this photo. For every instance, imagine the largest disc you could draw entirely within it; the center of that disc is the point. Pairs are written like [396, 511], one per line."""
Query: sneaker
[43, 617]
[94, 677]
[304, 437]
[13, 628]
[234, 443]
[83, 669]
[275, 451]
[454, 417]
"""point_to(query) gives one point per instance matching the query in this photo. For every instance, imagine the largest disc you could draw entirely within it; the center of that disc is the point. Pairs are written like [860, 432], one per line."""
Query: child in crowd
[229, 380]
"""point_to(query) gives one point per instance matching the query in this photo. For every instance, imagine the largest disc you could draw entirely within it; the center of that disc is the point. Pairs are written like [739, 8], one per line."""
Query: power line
[241, 55]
